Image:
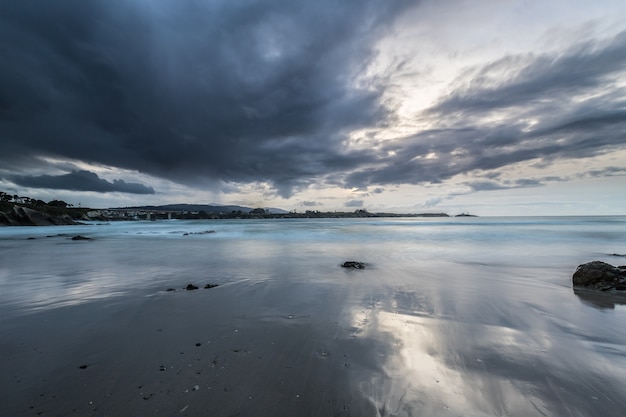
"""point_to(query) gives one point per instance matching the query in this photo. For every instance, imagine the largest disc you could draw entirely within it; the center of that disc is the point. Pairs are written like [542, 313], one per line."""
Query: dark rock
[353, 264]
[199, 233]
[79, 237]
[83, 367]
[191, 287]
[210, 286]
[601, 276]
[170, 289]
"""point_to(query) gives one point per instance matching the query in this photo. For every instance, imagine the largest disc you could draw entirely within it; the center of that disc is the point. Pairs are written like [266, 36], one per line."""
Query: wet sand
[230, 350]
[350, 348]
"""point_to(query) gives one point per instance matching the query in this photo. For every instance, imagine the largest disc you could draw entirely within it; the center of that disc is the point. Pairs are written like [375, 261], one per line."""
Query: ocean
[451, 316]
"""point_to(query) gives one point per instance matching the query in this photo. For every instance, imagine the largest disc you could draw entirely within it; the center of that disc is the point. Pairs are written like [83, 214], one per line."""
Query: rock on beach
[601, 276]
[353, 264]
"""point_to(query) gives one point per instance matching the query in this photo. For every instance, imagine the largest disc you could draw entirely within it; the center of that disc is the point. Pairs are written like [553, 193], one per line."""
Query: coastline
[24, 216]
[38, 213]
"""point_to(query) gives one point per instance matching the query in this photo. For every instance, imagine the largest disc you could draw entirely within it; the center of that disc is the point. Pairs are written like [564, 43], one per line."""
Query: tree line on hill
[18, 210]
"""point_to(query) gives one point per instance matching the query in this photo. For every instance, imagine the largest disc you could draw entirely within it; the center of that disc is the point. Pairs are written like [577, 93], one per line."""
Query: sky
[492, 107]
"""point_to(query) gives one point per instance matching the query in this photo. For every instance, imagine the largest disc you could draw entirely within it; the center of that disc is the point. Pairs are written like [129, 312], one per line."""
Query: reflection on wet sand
[469, 319]
[431, 378]
[601, 300]
[441, 366]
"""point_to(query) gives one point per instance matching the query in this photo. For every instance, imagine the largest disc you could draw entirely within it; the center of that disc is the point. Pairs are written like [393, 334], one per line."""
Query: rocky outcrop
[601, 276]
[24, 216]
[206, 232]
[192, 287]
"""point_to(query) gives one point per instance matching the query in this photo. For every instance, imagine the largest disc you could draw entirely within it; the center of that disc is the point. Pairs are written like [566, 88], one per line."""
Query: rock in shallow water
[353, 264]
[601, 276]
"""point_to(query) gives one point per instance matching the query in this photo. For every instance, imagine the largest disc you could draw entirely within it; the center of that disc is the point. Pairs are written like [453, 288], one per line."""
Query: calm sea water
[476, 313]
[40, 267]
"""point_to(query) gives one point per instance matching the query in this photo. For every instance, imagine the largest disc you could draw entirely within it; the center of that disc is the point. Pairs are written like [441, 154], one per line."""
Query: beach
[449, 318]
[189, 353]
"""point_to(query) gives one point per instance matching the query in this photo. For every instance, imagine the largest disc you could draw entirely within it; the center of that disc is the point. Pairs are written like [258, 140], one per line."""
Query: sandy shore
[352, 345]
[230, 350]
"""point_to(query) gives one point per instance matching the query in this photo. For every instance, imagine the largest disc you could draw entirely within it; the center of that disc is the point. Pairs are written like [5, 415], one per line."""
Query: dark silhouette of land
[26, 211]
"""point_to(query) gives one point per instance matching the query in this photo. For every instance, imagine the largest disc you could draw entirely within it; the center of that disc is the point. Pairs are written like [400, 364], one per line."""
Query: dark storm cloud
[80, 181]
[268, 91]
[238, 91]
[538, 108]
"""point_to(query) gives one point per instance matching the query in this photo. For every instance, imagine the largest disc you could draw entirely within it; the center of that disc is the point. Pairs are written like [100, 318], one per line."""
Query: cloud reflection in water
[441, 365]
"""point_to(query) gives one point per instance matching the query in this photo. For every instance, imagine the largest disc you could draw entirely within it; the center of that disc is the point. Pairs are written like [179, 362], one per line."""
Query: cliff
[24, 216]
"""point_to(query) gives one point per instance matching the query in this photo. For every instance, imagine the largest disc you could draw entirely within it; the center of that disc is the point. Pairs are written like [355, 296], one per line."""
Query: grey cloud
[309, 203]
[606, 172]
[509, 184]
[231, 91]
[354, 203]
[485, 186]
[539, 112]
[527, 182]
[432, 202]
[227, 92]
[535, 79]
[80, 181]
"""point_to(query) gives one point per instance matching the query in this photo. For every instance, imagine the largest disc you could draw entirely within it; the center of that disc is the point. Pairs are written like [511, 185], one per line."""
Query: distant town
[256, 213]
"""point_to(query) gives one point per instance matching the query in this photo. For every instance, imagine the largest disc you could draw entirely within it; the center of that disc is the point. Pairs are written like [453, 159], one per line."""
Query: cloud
[309, 203]
[238, 92]
[432, 202]
[485, 186]
[354, 203]
[536, 80]
[606, 172]
[227, 92]
[538, 108]
[492, 185]
[80, 181]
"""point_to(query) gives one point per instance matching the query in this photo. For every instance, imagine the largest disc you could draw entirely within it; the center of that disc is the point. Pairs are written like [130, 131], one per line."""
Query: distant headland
[25, 211]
